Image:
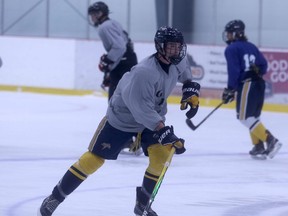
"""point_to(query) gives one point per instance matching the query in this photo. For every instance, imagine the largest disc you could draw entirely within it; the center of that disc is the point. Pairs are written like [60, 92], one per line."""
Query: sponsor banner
[277, 74]
[209, 68]
[208, 65]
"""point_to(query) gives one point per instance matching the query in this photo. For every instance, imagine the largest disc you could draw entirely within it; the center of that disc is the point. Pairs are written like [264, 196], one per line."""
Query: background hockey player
[246, 66]
[139, 104]
[120, 56]
[119, 59]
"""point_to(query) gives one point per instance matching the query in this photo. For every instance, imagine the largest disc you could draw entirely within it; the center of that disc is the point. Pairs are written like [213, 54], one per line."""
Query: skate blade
[259, 157]
[276, 149]
[128, 152]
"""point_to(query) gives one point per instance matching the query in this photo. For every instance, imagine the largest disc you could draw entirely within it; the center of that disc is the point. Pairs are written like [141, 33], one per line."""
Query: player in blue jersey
[138, 105]
[246, 66]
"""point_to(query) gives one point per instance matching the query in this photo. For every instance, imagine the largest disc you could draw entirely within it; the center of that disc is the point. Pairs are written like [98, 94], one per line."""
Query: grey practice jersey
[140, 100]
[114, 40]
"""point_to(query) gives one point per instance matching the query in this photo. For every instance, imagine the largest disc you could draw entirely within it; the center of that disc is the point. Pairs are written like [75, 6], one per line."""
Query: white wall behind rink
[73, 64]
[37, 62]
[54, 63]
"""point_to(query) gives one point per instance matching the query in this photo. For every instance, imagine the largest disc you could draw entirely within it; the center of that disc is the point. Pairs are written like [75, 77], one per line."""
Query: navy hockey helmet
[236, 28]
[98, 6]
[169, 34]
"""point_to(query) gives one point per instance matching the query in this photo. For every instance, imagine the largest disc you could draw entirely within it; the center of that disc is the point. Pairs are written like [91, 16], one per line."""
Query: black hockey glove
[254, 68]
[190, 96]
[228, 95]
[106, 81]
[255, 72]
[166, 136]
[104, 64]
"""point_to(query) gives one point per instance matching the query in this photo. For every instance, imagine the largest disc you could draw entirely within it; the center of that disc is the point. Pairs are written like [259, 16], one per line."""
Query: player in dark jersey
[120, 56]
[246, 66]
[139, 105]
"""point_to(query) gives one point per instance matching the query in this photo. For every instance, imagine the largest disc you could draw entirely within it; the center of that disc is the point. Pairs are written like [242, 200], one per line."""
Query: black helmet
[237, 28]
[169, 34]
[99, 6]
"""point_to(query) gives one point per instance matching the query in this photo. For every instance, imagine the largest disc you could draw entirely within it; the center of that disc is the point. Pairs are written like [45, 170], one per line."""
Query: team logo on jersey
[106, 146]
[159, 93]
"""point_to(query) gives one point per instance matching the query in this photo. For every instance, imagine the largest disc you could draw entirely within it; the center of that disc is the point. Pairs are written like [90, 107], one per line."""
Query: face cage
[177, 59]
[173, 59]
[225, 38]
[91, 22]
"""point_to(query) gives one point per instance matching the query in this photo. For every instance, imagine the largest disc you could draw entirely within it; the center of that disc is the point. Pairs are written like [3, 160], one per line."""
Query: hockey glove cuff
[228, 95]
[106, 81]
[166, 136]
[190, 96]
[179, 146]
[104, 64]
[254, 69]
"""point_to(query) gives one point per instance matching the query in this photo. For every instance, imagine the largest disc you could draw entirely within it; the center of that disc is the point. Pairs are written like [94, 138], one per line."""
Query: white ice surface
[42, 135]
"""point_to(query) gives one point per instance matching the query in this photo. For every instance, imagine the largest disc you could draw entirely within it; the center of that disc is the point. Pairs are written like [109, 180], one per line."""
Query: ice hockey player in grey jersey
[139, 105]
[120, 56]
[118, 59]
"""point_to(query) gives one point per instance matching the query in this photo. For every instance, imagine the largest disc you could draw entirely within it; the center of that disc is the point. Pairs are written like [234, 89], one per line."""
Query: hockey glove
[254, 68]
[106, 81]
[104, 64]
[256, 73]
[190, 96]
[228, 95]
[166, 136]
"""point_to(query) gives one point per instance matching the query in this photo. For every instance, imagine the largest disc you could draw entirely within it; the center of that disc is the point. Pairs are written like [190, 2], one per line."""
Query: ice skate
[48, 206]
[273, 146]
[141, 201]
[133, 147]
[258, 152]
[128, 151]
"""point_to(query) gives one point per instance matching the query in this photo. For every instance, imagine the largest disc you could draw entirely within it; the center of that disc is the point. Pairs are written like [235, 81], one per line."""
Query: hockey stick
[159, 182]
[194, 127]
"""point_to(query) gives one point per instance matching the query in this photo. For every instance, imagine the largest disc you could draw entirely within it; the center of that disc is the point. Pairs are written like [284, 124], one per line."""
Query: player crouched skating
[138, 105]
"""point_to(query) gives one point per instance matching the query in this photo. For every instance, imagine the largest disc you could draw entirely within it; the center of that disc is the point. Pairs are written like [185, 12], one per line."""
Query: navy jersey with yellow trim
[240, 55]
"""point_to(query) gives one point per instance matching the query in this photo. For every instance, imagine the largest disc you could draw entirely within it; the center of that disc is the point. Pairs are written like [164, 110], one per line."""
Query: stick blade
[190, 124]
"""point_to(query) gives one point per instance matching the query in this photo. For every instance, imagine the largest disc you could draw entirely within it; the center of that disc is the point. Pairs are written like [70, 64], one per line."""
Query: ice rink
[42, 135]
